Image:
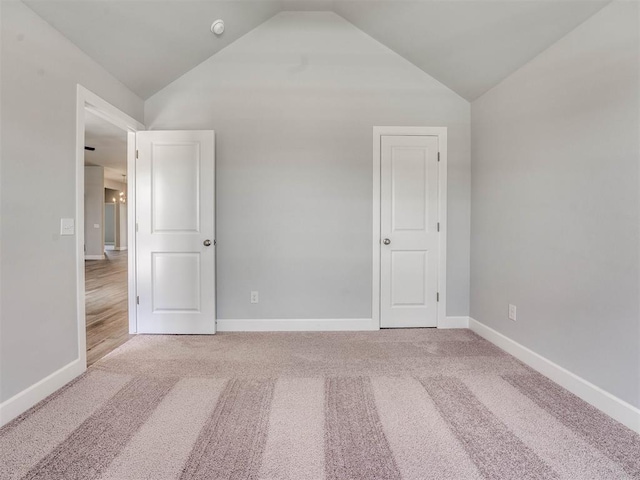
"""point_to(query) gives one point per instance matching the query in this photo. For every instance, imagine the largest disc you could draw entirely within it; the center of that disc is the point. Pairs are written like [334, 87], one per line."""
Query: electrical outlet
[512, 312]
[254, 297]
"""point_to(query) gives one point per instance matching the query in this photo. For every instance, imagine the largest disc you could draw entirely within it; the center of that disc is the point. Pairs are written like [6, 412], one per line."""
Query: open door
[175, 232]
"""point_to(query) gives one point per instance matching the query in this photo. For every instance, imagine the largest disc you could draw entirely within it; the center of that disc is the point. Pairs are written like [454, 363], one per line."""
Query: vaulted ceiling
[469, 46]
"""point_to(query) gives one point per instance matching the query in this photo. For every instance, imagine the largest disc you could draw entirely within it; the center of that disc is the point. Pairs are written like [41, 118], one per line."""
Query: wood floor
[106, 304]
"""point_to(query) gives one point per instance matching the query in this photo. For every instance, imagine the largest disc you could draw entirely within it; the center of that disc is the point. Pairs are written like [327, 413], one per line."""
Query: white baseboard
[295, 325]
[94, 257]
[317, 325]
[23, 401]
[617, 409]
[454, 322]
[120, 248]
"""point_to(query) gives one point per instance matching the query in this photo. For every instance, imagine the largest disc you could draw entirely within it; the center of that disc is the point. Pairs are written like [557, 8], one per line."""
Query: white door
[176, 232]
[409, 231]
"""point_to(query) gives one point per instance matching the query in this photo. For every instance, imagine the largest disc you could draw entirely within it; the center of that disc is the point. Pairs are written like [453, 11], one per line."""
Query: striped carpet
[401, 404]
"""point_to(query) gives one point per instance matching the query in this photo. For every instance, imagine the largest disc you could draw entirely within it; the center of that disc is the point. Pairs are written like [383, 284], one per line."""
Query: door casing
[89, 101]
[441, 133]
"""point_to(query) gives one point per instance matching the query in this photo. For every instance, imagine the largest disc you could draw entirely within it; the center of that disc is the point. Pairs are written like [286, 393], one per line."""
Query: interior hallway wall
[121, 211]
[121, 226]
[94, 216]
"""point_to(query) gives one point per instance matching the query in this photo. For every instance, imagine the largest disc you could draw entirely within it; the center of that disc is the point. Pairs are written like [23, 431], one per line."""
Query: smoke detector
[217, 27]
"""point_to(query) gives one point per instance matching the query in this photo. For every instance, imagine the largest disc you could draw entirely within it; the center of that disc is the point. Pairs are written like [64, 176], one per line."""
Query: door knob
[386, 241]
[207, 243]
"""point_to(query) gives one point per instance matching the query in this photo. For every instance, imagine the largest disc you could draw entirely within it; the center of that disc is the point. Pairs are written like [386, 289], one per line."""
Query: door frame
[89, 101]
[441, 133]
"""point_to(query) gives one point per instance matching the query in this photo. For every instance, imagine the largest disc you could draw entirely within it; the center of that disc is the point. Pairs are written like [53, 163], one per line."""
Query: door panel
[166, 267]
[175, 216]
[409, 211]
[175, 188]
[408, 278]
[409, 178]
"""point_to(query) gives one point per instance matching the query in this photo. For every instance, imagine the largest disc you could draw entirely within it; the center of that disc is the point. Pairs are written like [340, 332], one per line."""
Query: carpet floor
[394, 404]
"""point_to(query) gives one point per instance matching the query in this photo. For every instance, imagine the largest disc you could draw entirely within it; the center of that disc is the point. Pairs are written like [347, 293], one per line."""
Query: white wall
[293, 104]
[114, 185]
[40, 71]
[94, 211]
[110, 223]
[112, 190]
[555, 204]
[121, 226]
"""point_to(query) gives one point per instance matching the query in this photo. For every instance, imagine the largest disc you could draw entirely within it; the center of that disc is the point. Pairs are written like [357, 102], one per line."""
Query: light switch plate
[67, 226]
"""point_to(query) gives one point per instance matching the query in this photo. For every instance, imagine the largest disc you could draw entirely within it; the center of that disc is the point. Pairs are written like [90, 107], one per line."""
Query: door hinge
[137, 155]
[438, 226]
[138, 300]
[438, 156]
[437, 296]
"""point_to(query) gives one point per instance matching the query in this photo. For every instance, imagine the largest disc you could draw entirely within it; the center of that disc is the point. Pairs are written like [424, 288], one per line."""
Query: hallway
[106, 304]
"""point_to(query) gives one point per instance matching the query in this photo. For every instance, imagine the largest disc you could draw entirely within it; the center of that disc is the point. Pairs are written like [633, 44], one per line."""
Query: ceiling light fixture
[217, 27]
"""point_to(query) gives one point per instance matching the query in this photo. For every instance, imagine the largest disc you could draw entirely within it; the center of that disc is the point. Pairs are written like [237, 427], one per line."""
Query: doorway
[105, 245]
[105, 220]
[409, 226]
